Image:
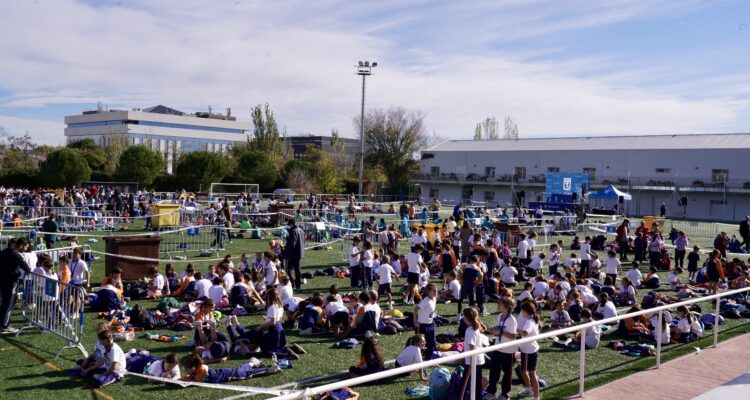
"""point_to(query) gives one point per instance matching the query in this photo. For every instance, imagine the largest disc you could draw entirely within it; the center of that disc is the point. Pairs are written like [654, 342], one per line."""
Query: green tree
[139, 164]
[393, 139]
[64, 167]
[257, 167]
[266, 134]
[115, 147]
[199, 169]
[94, 155]
[328, 178]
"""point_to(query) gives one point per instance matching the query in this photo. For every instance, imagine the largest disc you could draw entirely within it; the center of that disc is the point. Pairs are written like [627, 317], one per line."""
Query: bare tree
[511, 128]
[488, 129]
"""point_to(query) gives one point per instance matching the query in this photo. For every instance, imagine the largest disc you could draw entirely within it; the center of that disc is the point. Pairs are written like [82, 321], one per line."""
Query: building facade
[696, 176]
[165, 130]
[344, 152]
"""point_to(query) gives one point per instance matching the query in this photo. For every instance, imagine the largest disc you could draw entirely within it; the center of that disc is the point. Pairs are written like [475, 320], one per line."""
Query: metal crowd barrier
[195, 238]
[52, 306]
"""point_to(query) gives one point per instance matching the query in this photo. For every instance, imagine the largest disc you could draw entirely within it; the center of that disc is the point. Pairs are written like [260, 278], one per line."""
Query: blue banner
[566, 183]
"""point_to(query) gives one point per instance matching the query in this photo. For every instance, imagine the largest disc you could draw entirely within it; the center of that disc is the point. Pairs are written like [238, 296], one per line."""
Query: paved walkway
[689, 376]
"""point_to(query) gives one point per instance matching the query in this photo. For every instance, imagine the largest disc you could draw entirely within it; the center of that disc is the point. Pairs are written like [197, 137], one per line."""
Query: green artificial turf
[28, 365]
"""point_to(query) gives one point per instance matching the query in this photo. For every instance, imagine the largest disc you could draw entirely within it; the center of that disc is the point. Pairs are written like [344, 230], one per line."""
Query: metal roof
[646, 142]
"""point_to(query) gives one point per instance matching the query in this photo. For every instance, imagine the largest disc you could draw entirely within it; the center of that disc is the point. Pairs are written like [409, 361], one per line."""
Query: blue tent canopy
[610, 192]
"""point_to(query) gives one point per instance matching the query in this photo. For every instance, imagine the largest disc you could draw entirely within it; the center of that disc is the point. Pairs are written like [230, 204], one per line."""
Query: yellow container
[165, 214]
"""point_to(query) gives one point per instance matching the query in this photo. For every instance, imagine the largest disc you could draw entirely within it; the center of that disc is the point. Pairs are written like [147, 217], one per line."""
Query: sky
[559, 68]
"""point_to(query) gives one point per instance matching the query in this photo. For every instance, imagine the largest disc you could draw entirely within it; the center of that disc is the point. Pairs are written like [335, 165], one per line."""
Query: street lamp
[364, 68]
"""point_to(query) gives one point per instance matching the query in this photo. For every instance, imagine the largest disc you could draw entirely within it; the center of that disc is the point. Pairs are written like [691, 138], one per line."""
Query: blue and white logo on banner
[566, 183]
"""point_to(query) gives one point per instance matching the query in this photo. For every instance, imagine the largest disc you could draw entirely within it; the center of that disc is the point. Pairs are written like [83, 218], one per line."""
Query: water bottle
[274, 359]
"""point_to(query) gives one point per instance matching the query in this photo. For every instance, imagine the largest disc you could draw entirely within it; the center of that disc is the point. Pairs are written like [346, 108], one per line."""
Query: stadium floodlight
[364, 69]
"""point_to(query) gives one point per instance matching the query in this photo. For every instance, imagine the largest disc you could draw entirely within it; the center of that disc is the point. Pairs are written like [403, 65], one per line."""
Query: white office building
[698, 176]
[163, 129]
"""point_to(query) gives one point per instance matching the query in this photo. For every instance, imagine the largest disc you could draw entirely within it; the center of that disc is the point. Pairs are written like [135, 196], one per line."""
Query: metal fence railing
[311, 391]
[52, 306]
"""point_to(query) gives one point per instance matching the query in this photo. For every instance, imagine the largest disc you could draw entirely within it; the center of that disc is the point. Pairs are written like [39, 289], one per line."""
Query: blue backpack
[440, 380]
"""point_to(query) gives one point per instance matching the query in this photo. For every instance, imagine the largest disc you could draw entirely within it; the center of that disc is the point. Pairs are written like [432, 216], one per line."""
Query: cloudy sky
[558, 67]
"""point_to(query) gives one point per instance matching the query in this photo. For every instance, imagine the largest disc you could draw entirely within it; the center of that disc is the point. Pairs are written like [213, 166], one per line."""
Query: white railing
[307, 392]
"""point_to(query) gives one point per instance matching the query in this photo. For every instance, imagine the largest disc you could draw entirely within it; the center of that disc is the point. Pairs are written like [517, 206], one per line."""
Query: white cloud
[299, 56]
[44, 132]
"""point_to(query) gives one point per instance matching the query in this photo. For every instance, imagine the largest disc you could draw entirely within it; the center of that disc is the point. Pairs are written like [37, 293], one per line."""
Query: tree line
[393, 139]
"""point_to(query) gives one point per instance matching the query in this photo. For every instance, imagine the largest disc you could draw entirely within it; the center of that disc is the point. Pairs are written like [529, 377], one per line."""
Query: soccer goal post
[234, 190]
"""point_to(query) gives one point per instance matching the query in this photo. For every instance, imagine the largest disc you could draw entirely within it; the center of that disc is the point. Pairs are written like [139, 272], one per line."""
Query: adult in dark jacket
[293, 252]
[11, 264]
[745, 232]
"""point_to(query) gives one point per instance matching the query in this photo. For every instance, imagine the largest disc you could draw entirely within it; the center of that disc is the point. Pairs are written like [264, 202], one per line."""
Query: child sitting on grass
[412, 354]
[560, 318]
[98, 352]
[453, 292]
[110, 368]
[592, 338]
[371, 359]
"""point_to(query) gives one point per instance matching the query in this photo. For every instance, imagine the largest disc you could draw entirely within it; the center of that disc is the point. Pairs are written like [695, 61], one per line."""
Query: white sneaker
[525, 392]
[447, 302]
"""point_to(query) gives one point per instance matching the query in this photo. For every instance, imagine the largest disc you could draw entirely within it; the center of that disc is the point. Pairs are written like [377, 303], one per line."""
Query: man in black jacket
[11, 264]
[745, 232]
[293, 252]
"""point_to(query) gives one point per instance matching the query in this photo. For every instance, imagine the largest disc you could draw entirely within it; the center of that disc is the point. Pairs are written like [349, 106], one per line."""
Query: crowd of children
[474, 268]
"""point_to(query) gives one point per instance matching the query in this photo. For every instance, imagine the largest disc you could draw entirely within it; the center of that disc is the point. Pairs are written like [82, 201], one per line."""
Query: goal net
[233, 190]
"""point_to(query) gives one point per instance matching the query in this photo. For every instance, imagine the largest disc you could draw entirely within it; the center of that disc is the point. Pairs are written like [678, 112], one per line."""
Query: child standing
[473, 340]
[693, 259]
[416, 266]
[503, 359]
[368, 258]
[529, 351]
[680, 248]
[386, 273]
[612, 266]
[424, 313]
[355, 262]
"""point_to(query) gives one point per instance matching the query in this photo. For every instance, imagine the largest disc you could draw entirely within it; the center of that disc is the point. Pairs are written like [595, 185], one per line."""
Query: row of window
[159, 124]
[717, 175]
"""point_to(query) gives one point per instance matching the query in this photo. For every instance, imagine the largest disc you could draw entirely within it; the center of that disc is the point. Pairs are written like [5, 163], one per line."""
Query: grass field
[28, 369]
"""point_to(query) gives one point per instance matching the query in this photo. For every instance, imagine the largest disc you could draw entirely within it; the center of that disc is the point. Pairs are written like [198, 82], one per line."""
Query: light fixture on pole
[364, 68]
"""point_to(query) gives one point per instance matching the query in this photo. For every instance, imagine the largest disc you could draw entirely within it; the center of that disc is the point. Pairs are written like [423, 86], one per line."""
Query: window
[489, 172]
[434, 171]
[520, 173]
[719, 175]
[553, 169]
[427, 155]
[434, 193]
[664, 170]
[591, 172]
[489, 196]
[467, 193]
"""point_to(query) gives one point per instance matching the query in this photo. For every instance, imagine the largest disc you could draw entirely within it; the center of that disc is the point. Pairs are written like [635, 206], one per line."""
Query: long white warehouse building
[697, 176]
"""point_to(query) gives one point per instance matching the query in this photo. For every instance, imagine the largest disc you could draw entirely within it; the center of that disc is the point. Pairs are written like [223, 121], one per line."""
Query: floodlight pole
[364, 69]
